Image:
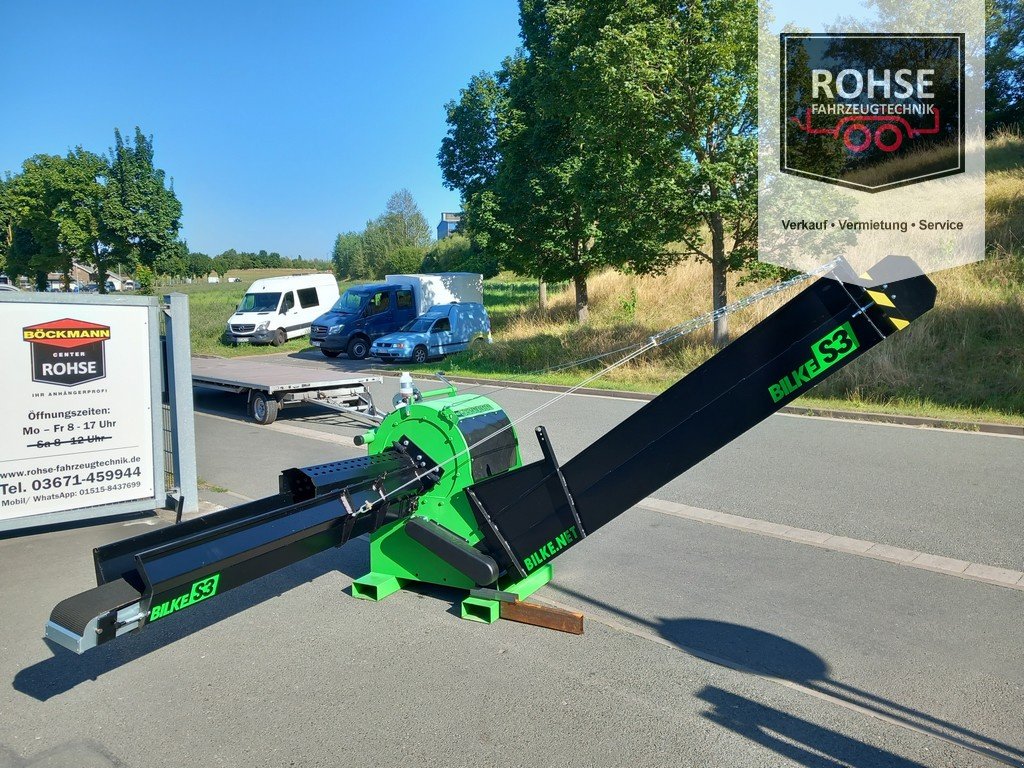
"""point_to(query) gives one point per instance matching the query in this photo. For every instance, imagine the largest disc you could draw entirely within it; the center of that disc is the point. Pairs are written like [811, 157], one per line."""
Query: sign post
[81, 435]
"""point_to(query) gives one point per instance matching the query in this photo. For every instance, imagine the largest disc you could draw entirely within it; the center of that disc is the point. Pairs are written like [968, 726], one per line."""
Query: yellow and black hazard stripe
[884, 299]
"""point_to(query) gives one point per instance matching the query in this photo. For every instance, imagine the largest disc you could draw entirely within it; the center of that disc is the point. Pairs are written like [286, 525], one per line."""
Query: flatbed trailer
[268, 387]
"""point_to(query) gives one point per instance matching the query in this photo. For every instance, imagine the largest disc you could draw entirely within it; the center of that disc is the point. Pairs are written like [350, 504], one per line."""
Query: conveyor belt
[160, 572]
[76, 612]
[89, 618]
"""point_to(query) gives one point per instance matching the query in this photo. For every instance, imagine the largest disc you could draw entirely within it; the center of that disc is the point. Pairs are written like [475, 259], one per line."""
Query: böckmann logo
[872, 111]
[67, 352]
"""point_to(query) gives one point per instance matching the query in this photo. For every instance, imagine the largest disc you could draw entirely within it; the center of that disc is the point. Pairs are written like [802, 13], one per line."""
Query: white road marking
[919, 427]
[962, 569]
[288, 429]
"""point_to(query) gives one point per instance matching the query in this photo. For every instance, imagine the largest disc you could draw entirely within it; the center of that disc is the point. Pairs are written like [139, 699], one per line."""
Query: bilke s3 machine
[445, 497]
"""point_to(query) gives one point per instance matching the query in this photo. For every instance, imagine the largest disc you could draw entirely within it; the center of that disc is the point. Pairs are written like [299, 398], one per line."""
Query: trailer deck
[271, 386]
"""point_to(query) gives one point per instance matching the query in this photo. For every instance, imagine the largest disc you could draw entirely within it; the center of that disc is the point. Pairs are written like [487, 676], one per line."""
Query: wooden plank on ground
[546, 616]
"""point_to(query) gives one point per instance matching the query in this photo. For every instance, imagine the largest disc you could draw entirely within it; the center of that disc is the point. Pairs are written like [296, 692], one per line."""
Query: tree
[141, 215]
[79, 212]
[405, 219]
[358, 269]
[557, 179]
[405, 260]
[402, 225]
[8, 219]
[457, 253]
[346, 246]
[1004, 66]
[172, 260]
[55, 208]
[512, 154]
[220, 265]
[469, 153]
[672, 90]
[199, 265]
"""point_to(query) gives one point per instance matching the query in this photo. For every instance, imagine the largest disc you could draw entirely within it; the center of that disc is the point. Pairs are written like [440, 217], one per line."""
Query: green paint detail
[826, 352]
[464, 413]
[433, 426]
[199, 591]
[552, 548]
[489, 611]
[375, 586]
[395, 559]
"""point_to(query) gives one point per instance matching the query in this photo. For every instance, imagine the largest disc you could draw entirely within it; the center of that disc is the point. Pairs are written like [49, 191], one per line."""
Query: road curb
[1014, 430]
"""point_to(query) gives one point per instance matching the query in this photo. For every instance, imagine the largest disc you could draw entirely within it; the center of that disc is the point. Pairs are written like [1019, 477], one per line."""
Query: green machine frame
[443, 423]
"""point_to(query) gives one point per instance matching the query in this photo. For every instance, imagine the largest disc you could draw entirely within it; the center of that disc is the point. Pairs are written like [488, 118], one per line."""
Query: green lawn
[210, 306]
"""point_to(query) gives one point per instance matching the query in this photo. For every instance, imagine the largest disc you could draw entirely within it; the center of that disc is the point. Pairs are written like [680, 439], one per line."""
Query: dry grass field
[963, 360]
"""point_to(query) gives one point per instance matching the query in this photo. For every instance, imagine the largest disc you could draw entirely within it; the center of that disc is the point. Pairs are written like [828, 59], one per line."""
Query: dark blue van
[362, 314]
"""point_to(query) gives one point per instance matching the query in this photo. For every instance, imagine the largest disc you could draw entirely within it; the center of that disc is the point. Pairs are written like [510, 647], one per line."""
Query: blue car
[441, 330]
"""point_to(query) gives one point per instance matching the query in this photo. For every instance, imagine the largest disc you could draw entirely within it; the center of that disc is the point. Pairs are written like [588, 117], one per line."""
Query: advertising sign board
[81, 434]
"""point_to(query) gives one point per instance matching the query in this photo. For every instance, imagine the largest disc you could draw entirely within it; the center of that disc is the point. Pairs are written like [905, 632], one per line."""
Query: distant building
[449, 223]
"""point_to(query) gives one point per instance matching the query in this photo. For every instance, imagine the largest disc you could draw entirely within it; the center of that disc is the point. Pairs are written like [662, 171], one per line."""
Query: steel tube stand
[488, 610]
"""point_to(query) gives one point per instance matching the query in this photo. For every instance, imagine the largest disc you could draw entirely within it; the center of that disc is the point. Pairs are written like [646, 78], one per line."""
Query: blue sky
[281, 123]
[812, 14]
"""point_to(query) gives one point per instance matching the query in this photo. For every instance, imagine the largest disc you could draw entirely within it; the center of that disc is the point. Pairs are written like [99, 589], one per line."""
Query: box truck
[367, 312]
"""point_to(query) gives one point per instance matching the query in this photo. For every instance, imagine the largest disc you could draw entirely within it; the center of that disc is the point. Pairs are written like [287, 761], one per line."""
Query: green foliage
[172, 261]
[232, 259]
[346, 245]
[1004, 51]
[619, 128]
[627, 306]
[762, 271]
[199, 265]
[54, 213]
[358, 269]
[402, 225]
[1004, 65]
[141, 215]
[456, 253]
[390, 243]
[93, 209]
[405, 260]
[513, 152]
[8, 219]
[146, 279]
[34, 248]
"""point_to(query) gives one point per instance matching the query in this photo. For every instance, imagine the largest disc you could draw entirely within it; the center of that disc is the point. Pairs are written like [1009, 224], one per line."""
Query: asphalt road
[704, 646]
[945, 492]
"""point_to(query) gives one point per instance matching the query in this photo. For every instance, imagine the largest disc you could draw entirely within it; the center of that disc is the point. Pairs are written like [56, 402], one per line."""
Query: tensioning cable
[633, 351]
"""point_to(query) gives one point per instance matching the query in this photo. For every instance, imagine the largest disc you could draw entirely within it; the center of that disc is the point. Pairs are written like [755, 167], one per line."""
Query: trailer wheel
[848, 137]
[330, 352]
[358, 348]
[280, 337]
[895, 143]
[419, 355]
[264, 408]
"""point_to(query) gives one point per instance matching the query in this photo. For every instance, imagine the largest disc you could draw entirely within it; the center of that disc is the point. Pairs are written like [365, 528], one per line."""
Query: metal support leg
[179, 394]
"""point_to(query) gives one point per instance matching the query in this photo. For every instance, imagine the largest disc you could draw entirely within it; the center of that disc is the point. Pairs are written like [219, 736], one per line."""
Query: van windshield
[420, 324]
[349, 303]
[259, 302]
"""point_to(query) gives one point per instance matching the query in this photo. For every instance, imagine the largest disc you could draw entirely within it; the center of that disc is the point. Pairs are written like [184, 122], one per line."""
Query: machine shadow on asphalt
[64, 670]
[754, 651]
[793, 737]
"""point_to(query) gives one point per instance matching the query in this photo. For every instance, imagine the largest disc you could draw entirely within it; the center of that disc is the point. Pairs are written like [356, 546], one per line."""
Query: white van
[276, 309]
